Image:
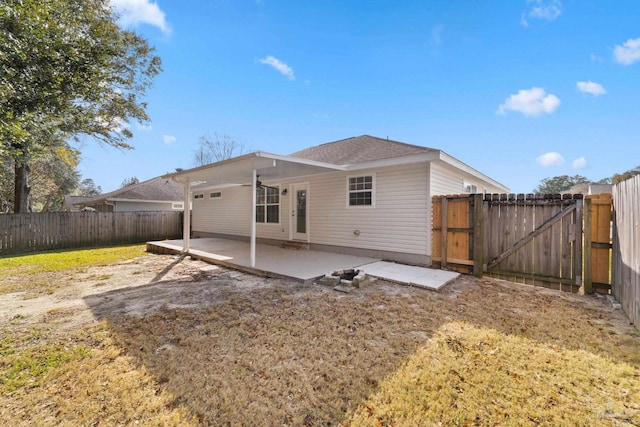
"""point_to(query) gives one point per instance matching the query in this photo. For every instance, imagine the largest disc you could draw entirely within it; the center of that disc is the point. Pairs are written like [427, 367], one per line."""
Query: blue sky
[520, 90]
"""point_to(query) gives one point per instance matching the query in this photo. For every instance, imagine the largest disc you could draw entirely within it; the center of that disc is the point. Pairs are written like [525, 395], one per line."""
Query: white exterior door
[299, 212]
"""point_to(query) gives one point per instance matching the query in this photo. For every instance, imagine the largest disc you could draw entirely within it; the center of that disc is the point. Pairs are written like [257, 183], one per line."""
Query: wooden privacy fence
[626, 247]
[534, 239]
[598, 233]
[21, 233]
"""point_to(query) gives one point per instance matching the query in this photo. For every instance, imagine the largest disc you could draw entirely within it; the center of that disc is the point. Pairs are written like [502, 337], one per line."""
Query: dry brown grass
[477, 376]
[98, 386]
[481, 352]
[295, 355]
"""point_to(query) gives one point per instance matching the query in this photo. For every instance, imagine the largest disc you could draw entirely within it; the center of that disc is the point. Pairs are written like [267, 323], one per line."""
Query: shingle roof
[70, 201]
[359, 149]
[156, 189]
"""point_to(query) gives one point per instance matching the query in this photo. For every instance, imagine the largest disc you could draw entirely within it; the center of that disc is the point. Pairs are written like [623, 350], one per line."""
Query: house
[70, 202]
[588, 189]
[156, 194]
[363, 195]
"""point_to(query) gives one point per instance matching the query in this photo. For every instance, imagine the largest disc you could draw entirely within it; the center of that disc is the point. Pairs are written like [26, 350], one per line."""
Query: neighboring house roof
[154, 190]
[588, 189]
[70, 201]
[359, 149]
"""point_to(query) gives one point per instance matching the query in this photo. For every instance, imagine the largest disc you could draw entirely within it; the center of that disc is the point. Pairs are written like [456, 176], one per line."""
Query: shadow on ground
[235, 349]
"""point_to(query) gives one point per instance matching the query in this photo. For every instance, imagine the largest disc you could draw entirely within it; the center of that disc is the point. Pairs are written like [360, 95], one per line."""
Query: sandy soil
[136, 287]
[144, 285]
[236, 349]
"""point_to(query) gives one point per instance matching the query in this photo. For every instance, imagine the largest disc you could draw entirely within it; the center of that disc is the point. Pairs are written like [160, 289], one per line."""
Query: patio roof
[238, 170]
[245, 170]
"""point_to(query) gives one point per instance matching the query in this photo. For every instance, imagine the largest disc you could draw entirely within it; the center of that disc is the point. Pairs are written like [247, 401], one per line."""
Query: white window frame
[265, 204]
[350, 191]
[198, 196]
[176, 206]
[469, 188]
[215, 195]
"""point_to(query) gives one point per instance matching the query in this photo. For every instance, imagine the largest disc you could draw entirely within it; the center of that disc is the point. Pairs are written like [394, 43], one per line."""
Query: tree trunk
[22, 189]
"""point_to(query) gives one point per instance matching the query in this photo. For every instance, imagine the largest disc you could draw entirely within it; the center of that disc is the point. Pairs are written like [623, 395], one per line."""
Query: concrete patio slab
[270, 260]
[428, 278]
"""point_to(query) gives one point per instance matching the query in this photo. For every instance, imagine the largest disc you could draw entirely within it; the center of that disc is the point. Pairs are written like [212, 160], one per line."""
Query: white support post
[254, 178]
[186, 227]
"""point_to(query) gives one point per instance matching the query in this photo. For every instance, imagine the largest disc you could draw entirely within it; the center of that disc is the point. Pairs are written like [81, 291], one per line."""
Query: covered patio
[270, 260]
[304, 265]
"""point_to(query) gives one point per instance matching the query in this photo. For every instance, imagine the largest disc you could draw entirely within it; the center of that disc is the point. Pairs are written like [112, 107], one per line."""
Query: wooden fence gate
[533, 239]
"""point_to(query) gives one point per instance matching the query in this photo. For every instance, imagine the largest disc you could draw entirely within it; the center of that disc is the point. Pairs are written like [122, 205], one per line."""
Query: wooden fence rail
[22, 233]
[526, 238]
[626, 247]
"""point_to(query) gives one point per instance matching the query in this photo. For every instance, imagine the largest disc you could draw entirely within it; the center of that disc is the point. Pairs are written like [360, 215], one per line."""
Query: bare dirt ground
[235, 349]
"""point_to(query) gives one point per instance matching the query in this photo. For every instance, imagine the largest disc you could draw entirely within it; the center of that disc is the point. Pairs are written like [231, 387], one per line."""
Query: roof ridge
[372, 137]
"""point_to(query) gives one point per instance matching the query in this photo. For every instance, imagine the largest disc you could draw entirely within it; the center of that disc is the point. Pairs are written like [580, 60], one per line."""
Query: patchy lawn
[160, 340]
[45, 272]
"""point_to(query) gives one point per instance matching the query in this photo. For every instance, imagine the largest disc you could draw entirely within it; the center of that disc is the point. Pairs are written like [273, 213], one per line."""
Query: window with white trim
[215, 195]
[469, 188]
[268, 205]
[177, 206]
[361, 190]
[198, 196]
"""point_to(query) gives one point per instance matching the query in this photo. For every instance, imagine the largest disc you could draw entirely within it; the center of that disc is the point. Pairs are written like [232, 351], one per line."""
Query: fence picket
[21, 233]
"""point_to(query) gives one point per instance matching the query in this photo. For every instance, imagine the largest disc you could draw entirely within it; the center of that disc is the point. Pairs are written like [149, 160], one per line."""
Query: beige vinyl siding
[446, 179]
[397, 223]
[278, 231]
[229, 214]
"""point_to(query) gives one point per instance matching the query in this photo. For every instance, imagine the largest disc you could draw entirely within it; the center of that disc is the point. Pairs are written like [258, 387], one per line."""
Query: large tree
[558, 184]
[67, 69]
[130, 181]
[88, 188]
[54, 174]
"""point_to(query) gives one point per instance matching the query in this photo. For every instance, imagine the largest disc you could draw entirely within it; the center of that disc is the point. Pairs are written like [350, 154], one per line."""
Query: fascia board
[446, 158]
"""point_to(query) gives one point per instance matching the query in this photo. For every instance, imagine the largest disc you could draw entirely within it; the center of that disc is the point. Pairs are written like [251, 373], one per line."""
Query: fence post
[578, 265]
[445, 232]
[588, 272]
[478, 234]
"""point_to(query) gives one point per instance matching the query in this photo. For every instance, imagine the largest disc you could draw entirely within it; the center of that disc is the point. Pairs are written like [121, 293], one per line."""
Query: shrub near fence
[21, 233]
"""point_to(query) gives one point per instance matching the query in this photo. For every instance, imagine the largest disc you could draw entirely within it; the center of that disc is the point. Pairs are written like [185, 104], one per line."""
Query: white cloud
[628, 52]
[143, 126]
[530, 102]
[595, 58]
[579, 163]
[134, 12]
[168, 139]
[594, 89]
[280, 66]
[547, 10]
[550, 159]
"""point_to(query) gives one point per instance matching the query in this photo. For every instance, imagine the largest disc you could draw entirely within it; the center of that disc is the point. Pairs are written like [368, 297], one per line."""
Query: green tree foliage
[616, 178]
[216, 147]
[88, 188]
[558, 184]
[54, 174]
[67, 69]
[130, 181]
